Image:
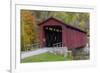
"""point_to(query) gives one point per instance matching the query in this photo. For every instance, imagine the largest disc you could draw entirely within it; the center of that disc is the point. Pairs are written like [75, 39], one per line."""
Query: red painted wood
[71, 36]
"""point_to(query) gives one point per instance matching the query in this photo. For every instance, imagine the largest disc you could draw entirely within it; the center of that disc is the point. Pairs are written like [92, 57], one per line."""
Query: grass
[45, 57]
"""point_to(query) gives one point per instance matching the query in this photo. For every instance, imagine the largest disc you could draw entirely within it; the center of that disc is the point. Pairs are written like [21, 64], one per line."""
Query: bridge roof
[67, 25]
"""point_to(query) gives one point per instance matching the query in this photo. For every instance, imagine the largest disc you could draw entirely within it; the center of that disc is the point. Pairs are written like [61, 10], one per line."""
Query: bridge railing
[60, 44]
[32, 46]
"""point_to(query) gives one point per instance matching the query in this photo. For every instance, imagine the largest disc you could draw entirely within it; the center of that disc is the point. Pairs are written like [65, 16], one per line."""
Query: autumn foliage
[28, 34]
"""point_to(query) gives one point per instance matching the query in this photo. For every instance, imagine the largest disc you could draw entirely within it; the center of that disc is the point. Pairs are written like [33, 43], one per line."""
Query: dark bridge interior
[53, 36]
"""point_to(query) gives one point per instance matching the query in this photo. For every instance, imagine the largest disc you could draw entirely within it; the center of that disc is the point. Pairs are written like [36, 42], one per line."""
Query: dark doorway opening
[53, 36]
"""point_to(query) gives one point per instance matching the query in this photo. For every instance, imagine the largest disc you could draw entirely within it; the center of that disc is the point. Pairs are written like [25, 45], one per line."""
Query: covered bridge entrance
[53, 36]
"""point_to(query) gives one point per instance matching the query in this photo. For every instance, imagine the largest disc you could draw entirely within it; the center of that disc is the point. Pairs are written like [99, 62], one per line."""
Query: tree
[28, 33]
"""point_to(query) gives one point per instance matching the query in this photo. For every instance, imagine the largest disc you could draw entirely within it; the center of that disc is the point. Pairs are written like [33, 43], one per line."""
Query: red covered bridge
[54, 33]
